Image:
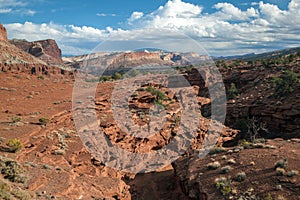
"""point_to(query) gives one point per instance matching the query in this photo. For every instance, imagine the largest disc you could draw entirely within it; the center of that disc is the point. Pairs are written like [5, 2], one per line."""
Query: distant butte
[46, 50]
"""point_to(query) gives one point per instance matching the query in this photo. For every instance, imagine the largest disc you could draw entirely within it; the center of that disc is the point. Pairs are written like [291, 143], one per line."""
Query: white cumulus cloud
[135, 15]
[229, 30]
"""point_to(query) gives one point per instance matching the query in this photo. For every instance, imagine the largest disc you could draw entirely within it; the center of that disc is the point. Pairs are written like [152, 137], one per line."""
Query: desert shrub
[224, 185]
[15, 145]
[246, 144]
[157, 93]
[21, 194]
[232, 91]
[41, 77]
[91, 80]
[291, 57]
[292, 173]
[241, 176]
[12, 170]
[117, 76]
[251, 128]
[268, 197]
[216, 150]
[132, 73]
[281, 163]
[280, 171]
[231, 161]
[225, 169]
[4, 191]
[159, 96]
[15, 119]
[7, 193]
[44, 120]
[213, 165]
[285, 83]
[105, 78]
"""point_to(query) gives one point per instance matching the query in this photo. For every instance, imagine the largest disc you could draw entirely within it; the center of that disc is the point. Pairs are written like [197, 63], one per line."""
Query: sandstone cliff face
[255, 106]
[15, 59]
[3, 34]
[118, 61]
[46, 50]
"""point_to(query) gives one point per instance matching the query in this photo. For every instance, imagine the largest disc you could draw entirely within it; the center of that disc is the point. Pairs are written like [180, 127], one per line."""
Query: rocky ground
[249, 171]
[42, 155]
[57, 164]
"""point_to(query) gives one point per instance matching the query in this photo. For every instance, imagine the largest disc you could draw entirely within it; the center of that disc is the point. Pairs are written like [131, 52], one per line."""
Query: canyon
[37, 108]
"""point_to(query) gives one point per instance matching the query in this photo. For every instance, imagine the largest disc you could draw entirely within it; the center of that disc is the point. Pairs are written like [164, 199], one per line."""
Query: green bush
[132, 73]
[216, 150]
[285, 83]
[155, 92]
[44, 120]
[9, 193]
[232, 91]
[241, 176]
[281, 164]
[213, 166]
[225, 169]
[159, 96]
[268, 197]
[292, 173]
[105, 78]
[117, 76]
[12, 170]
[15, 119]
[224, 185]
[15, 145]
[41, 77]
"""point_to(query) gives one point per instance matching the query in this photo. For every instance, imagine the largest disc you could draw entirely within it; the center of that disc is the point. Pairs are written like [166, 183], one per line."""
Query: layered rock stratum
[3, 33]
[46, 50]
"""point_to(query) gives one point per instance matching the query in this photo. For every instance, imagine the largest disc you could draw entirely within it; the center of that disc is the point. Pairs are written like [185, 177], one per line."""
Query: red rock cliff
[3, 34]
[46, 50]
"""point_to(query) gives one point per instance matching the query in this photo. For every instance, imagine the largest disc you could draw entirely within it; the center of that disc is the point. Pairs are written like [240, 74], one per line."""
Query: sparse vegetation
[15, 119]
[281, 164]
[292, 173]
[44, 120]
[225, 169]
[41, 77]
[213, 166]
[285, 83]
[105, 78]
[15, 145]
[216, 150]
[268, 197]
[246, 144]
[117, 76]
[11, 170]
[224, 185]
[231, 161]
[255, 126]
[233, 91]
[241, 176]
[280, 171]
[159, 96]
[9, 193]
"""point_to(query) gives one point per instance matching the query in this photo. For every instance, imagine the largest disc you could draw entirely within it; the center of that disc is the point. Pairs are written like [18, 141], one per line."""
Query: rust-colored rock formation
[248, 173]
[46, 50]
[3, 34]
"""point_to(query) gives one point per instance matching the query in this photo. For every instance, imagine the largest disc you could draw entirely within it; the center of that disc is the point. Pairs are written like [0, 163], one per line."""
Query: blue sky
[218, 26]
